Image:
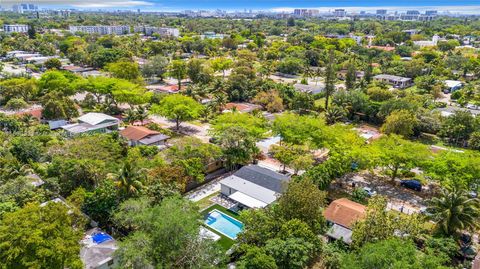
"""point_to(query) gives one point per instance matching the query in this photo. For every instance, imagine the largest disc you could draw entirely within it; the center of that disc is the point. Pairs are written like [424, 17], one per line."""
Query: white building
[452, 85]
[428, 43]
[254, 186]
[395, 81]
[162, 31]
[92, 123]
[101, 29]
[15, 28]
[340, 13]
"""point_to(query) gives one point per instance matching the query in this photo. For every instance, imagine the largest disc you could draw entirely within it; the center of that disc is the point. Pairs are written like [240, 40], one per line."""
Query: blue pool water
[223, 224]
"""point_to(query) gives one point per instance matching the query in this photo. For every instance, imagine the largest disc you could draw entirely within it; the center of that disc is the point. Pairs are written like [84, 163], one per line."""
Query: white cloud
[83, 3]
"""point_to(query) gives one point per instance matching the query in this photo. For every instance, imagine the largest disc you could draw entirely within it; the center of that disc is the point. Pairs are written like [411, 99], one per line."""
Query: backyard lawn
[225, 242]
[205, 202]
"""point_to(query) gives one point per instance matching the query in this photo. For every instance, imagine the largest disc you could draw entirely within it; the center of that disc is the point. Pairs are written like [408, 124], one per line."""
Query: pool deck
[227, 217]
[225, 242]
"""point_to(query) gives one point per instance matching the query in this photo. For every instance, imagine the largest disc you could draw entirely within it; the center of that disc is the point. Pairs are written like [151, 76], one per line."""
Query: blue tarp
[101, 237]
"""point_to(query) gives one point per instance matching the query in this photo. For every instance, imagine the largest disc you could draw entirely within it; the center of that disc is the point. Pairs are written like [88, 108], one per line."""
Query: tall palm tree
[454, 210]
[141, 114]
[128, 180]
[317, 73]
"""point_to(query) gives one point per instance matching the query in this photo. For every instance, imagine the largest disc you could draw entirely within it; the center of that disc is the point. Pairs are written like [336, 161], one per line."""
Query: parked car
[472, 106]
[369, 191]
[411, 184]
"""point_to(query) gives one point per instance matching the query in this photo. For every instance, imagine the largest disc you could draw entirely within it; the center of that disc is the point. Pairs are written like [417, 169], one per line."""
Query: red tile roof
[344, 212]
[137, 132]
[36, 112]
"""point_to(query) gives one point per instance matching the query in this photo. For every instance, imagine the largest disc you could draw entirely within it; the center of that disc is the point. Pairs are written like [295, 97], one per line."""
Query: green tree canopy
[179, 108]
[401, 122]
[395, 153]
[164, 236]
[255, 126]
[392, 253]
[40, 237]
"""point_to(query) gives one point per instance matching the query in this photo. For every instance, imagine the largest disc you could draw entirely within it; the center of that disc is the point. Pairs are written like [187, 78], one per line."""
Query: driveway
[199, 131]
[399, 198]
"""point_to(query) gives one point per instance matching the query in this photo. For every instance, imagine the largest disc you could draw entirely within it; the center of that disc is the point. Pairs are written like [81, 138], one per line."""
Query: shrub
[16, 104]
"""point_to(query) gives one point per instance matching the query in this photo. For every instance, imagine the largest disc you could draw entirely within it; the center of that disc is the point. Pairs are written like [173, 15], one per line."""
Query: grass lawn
[225, 242]
[205, 202]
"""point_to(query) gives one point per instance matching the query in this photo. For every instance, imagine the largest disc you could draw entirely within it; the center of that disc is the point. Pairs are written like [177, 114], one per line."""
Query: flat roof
[392, 77]
[85, 127]
[250, 189]
[247, 200]
[95, 254]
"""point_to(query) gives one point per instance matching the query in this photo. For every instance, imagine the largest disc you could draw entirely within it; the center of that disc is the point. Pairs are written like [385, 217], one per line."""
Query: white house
[93, 123]
[254, 186]
[452, 85]
[395, 81]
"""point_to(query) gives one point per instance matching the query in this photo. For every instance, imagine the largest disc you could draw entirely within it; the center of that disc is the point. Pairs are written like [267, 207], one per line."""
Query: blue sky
[463, 6]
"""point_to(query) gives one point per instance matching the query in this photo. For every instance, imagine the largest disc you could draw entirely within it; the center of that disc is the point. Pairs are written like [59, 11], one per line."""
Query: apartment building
[15, 28]
[101, 29]
[162, 31]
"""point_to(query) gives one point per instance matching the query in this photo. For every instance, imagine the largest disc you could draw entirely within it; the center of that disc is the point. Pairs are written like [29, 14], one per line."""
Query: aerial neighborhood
[247, 139]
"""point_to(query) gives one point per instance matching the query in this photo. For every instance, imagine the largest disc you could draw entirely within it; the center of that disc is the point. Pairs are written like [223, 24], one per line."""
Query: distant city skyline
[459, 6]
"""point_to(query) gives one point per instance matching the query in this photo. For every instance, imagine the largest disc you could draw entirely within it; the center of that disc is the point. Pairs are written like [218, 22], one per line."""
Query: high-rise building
[381, 12]
[305, 12]
[431, 12]
[411, 15]
[340, 13]
[413, 12]
[299, 12]
[17, 9]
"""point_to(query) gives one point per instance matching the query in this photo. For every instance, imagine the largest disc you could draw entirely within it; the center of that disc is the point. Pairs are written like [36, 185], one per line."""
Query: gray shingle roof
[263, 177]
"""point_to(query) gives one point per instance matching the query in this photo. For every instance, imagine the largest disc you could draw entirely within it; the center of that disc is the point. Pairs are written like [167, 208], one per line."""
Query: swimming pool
[223, 224]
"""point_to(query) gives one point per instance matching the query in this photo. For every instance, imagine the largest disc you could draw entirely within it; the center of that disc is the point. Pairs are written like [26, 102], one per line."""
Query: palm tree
[130, 116]
[308, 72]
[28, 120]
[317, 73]
[454, 210]
[220, 100]
[334, 114]
[15, 168]
[141, 114]
[128, 180]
